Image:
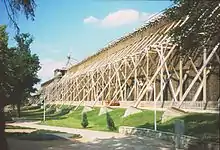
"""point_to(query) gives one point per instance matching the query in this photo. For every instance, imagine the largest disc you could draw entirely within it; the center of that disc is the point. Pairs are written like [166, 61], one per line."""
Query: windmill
[70, 60]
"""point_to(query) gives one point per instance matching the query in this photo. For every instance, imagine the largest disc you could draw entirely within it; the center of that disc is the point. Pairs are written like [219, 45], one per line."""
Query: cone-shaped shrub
[110, 122]
[84, 122]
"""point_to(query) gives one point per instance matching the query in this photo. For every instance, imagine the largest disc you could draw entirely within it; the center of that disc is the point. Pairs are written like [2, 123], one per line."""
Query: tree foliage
[84, 122]
[202, 27]
[19, 68]
[18, 74]
[110, 122]
[16, 7]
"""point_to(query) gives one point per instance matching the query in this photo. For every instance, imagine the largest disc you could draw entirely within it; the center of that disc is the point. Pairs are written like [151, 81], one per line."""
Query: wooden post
[204, 76]
[199, 89]
[161, 74]
[109, 86]
[146, 85]
[155, 107]
[181, 78]
[109, 82]
[119, 82]
[116, 84]
[147, 73]
[103, 87]
[44, 117]
[136, 78]
[125, 87]
[198, 74]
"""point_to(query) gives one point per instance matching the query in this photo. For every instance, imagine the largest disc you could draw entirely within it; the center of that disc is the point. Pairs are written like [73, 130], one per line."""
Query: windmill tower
[70, 60]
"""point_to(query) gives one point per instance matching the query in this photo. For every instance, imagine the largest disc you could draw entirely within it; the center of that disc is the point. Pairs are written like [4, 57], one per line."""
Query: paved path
[128, 143]
[96, 140]
[88, 134]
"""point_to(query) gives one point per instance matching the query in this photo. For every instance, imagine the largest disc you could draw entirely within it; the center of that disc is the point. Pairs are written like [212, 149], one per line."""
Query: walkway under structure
[140, 69]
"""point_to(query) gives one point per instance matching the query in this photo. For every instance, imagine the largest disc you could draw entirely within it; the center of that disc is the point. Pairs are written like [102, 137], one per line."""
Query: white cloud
[119, 18]
[91, 19]
[47, 68]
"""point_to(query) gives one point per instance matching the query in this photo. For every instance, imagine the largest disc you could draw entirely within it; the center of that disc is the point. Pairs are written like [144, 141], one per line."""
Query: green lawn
[196, 124]
[15, 127]
[99, 122]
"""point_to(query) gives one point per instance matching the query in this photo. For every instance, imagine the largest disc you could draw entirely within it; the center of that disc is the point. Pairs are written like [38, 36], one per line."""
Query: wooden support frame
[198, 74]
[107, 77]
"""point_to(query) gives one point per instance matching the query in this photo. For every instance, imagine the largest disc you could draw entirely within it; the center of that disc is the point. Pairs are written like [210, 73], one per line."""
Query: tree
[84, 122]
[202, 27]
[110, 122]
[3, 86]
[18, 73]
[26, 72]
[14, 7]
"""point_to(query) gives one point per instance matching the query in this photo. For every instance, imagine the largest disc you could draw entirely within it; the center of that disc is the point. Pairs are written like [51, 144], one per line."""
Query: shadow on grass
[196, 124]
[41, 135]
[30, 108]
[37, 115]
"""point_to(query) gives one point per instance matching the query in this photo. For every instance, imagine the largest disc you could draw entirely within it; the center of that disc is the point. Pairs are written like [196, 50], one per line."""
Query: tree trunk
[3, 142]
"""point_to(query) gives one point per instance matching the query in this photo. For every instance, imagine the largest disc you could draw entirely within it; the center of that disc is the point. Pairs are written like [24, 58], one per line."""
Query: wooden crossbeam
[195, 97]
[147, 85]
[91, 88]
[198, 74]
[168, 74]
[114, 74]
[148, 44]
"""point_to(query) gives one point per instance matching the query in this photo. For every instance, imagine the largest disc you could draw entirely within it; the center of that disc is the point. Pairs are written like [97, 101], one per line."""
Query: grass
[16, 127]
[196, 124]
[37, 114]
[99, 122]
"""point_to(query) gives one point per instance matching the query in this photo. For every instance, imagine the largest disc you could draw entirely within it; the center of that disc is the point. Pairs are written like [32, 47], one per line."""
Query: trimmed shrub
[110, 122]
[50, 110]
[84, 122]
[64, 111]
[30, 107]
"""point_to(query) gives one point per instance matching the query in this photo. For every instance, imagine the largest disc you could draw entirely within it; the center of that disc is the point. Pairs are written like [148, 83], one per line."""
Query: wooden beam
[114, 74]
[181, 78]
[198, 74]
[147, 85]
[161, 73]
[204, 76]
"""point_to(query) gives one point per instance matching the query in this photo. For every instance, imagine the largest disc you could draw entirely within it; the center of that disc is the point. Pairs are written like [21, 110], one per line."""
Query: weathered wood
[153, 77]
[128, 70]
[204, 76]
[198, 74]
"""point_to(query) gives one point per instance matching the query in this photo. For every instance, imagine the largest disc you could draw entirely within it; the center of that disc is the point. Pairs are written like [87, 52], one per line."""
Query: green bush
[8, 117]
[84, 122]
[64, 111]
[51, 110]
[30, 107]
[110, 122]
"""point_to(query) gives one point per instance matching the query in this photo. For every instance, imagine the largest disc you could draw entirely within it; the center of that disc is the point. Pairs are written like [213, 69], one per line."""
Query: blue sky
[80, 27]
